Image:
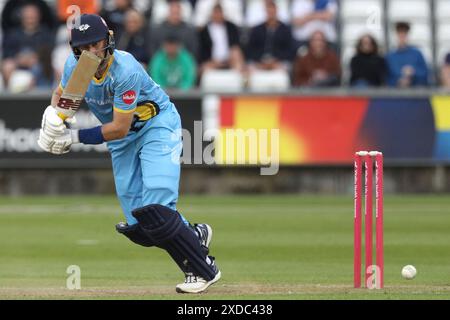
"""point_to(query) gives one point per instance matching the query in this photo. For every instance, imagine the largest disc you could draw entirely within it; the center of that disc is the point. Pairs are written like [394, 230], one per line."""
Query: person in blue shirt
[406, 65]
[142, 129]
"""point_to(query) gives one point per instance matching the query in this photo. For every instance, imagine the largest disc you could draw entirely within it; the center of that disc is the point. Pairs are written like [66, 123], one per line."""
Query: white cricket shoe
[196, 284]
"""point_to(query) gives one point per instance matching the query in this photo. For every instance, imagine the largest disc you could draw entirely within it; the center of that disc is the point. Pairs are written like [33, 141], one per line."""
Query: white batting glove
[45, 141]
[58, 145]
[52, 124]
[63, 143]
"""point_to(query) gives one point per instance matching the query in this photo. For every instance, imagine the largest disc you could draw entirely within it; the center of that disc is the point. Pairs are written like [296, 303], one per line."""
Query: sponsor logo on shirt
[129, 97]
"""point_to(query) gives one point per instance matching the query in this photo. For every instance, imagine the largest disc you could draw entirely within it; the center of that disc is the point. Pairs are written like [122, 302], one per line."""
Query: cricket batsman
[141, 127]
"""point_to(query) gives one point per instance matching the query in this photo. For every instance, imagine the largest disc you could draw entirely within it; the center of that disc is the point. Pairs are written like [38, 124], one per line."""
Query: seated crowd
[177, 52]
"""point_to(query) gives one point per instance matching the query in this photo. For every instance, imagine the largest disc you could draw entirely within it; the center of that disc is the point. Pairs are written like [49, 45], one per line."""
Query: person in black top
[270, 43]
[23, 46]
[115, 18]
[135, 39]
[220, 46]
[11, 15]
[368, 68]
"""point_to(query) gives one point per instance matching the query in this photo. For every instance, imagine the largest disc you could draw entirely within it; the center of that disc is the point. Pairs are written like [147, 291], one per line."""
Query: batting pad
[167, 229]
[135, 234]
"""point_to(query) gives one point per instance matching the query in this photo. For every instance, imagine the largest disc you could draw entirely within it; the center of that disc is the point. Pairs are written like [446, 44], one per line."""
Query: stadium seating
[263, 81]
[442, 21]
[222, 81]
[409, 10]
[20, 81]
[442, 12]
[430, 22]
[352, 31]
[360, 9]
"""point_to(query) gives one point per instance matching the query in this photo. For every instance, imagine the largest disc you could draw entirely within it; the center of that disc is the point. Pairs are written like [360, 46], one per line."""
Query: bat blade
[78, 83]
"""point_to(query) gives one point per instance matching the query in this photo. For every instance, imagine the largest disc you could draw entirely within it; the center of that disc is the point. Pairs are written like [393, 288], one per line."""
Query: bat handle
[62, 116]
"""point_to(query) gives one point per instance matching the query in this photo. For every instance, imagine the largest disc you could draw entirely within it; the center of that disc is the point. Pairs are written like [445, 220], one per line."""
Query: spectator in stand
[445, 72]
[12, 18]
[309, 16]
[406, 64]
[270, 44]
[233, 11]
[115, 18]
[319, 67]
[173, 67]
[43, 72]
[22, 45]
[255, 12]
[219, 44]
[134, 37]
[368, 68]
[174, 24]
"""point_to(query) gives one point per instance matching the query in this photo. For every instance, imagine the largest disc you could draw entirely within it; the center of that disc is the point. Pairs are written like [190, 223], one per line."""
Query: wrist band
[91, 136]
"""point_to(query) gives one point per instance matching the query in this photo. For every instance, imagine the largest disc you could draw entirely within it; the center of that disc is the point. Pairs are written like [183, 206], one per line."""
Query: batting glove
[45, 141]
[52, 124]
[63, 143]
[58, 145]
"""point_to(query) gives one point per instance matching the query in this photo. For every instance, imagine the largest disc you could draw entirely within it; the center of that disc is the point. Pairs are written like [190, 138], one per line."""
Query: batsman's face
[97, 48]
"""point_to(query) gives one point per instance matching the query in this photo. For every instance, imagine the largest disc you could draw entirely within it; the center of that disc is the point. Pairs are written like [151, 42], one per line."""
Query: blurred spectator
[309, 16]
[115, 17]
[256, 13]
[134, 37]
[219, 44]
[61, 52]
[11, 14]
[445, 72]
[319, 67]
[233, 11]
[174, 24]
[172, 66]
[406, 64]
[43, 72]
[86, 6]
[270, 44]
[368, 68]
[23, 46]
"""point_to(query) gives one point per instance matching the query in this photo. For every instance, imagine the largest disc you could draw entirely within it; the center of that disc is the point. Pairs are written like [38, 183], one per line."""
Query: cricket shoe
[196, 284]
[204, 234]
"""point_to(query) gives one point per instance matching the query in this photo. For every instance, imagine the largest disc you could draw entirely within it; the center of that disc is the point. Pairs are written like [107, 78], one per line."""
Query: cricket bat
[76, 87]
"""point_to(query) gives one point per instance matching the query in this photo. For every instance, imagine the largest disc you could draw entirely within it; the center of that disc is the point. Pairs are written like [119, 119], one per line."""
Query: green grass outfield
[268, 247]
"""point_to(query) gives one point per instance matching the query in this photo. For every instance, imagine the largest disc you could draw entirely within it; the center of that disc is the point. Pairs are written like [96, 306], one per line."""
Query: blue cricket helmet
[92, 28]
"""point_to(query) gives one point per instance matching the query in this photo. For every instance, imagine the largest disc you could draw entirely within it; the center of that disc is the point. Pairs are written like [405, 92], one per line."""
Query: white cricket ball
[409, 272]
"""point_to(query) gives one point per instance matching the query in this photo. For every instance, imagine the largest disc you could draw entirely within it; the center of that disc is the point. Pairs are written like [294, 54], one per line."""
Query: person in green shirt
[173, 67]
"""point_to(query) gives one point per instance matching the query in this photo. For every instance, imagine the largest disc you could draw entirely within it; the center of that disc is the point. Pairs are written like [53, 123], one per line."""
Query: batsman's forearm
[112, 131]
